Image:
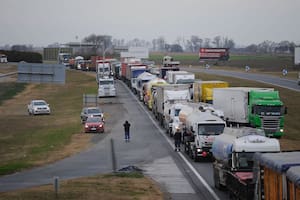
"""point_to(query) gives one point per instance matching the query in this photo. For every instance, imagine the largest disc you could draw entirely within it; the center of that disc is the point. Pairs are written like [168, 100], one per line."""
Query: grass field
[26, 141]
[120, 186]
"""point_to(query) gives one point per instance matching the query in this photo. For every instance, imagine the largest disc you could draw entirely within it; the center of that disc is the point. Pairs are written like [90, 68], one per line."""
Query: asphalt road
[281, 82]
[149, 149]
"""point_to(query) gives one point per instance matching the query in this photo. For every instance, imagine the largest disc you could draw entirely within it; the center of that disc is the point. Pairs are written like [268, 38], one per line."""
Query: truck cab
[106, 87]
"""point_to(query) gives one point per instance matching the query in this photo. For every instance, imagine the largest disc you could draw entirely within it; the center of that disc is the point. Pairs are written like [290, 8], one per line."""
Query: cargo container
[203, 90]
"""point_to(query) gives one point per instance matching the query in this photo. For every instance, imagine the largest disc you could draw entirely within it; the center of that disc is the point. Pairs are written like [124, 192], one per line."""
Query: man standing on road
[127, 131]
[177, 138]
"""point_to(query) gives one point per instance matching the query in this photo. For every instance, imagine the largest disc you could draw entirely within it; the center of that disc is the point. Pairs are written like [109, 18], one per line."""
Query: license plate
[93, 129]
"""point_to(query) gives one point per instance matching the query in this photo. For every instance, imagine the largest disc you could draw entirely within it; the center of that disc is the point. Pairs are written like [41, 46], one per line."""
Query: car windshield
[39, 103]
[93, 119]
[94, 110]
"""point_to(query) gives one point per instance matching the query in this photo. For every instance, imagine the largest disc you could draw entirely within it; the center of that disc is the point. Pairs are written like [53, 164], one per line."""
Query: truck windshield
[268, 110]
[106, 83]
[244, 161]
[210, 129]
[177, 112]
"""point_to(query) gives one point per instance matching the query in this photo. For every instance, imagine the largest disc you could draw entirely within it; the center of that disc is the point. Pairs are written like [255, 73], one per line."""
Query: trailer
[278, 175]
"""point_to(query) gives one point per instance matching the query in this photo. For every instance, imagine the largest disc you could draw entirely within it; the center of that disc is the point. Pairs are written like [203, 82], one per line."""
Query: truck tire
[216, 178]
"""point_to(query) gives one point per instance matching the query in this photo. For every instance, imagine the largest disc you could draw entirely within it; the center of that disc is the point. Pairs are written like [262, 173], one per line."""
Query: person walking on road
[177, 138]
[127, 131]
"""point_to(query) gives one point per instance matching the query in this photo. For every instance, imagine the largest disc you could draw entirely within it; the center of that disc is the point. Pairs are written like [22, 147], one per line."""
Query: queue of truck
[233, 126]
[236, 127]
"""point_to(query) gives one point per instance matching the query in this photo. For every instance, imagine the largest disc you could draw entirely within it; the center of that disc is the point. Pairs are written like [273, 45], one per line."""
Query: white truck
[180, 77]
[199, 128]
[140, 81]
[168, 93]
[106, 87]
[233, 152]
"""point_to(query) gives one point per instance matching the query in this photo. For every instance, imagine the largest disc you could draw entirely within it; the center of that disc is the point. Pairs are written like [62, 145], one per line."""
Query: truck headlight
[198, 150]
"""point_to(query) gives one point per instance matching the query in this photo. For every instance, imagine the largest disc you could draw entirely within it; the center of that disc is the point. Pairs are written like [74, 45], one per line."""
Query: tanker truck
[200, 128]
[233, 152]
[254, 107]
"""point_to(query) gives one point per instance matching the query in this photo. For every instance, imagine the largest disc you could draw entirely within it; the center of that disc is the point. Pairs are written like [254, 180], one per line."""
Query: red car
[94, 124]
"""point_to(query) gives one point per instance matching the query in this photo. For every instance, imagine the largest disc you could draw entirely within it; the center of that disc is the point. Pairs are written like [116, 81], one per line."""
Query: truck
[214, 54]
[255, 107]
[148, 89]
[3, 58]
[180, 77]
[233, 152]
[170, 93]
[199, 128]
[106, 87]
[140, 81]
[277, 175]
[132, 71]
[63, 58]
[124, 63]
[203, 90]
[168, 61]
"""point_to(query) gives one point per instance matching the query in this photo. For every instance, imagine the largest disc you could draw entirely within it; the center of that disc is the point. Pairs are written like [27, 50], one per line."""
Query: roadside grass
[108, 186]
[290, 99]
[9, 89]
[27, 141]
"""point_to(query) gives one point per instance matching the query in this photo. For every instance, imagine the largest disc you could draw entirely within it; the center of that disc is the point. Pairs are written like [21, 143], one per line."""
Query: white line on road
[201, 179]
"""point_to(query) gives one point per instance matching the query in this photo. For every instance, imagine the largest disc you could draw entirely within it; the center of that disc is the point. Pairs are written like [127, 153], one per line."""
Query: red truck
[215, 54]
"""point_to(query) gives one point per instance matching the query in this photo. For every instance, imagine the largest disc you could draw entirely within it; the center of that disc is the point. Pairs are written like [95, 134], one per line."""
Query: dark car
[94, 124]
[91, 112]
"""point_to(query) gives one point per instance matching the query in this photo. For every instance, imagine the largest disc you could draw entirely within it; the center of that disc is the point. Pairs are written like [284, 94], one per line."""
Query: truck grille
[270, 124]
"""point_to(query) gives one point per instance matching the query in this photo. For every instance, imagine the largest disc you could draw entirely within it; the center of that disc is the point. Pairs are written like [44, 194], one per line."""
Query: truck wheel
[217, 179]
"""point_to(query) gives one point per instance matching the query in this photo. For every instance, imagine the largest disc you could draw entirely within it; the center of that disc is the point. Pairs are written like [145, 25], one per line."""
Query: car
[91, 112]
[38, 107]
[94, 124]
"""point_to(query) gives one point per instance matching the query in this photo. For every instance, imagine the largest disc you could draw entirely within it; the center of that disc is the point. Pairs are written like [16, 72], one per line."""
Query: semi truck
[277, 175]
[148, 89]
[180, 77]
[233, 152]
[203, 90]
[142, 79]
[63, 58]
[106, 87]
[132, 72]
[199, 128]
[170, 93]
[255, 107]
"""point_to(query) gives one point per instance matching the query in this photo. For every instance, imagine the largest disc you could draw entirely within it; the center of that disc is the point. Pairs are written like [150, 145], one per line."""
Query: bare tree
[101, 42]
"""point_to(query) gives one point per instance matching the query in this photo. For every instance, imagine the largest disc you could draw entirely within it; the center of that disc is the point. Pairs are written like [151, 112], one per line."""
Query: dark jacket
[126, 126]
[177, 136]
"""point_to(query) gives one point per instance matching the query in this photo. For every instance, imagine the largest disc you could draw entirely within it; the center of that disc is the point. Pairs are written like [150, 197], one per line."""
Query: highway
[273, 80]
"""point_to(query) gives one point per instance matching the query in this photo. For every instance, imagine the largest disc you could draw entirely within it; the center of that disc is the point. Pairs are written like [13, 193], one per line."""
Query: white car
[37, 107]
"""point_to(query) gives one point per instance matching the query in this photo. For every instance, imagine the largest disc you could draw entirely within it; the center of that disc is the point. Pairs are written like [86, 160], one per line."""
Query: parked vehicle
[142, 79]
[200, 128]
[106, 87]
[180, 77]
[255, 107]
[233, 152]
[203, 90]
[63, 58]
[170, 93]
[148, 89]
[168, 61]
[38, 107]
[3, 58]
[132, 72]
[91, 112]
[94, 124]
[277, 175]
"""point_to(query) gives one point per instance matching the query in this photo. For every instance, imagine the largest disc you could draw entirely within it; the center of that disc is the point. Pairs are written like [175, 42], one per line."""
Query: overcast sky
[43, 22]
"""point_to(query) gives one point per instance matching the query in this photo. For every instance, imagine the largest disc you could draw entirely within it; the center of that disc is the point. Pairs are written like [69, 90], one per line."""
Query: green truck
[255, 107]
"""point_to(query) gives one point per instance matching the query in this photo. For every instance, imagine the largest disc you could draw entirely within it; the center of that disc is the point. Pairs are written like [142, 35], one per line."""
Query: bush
[17, 56]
